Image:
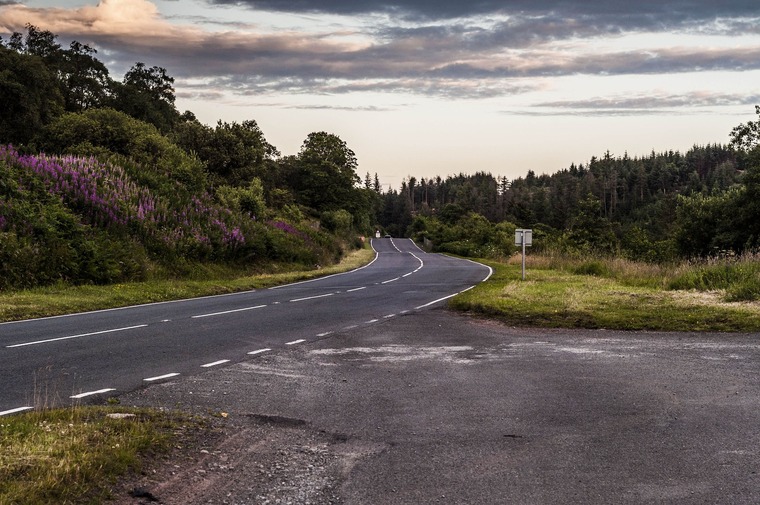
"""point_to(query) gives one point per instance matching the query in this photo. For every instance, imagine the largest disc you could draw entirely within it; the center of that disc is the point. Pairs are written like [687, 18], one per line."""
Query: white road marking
[323, 334]
[356, 289]
[76, 336]
[294, 342]
[392, 280]
[351, 327]
[436, 301]
[311, 297]
[90, 393]
[14, 411]
[407, 275]
[389, 316]
[227, 312]
[328, 276]
[259, 351]
[371, 321]
[166, 376]
[220, 362]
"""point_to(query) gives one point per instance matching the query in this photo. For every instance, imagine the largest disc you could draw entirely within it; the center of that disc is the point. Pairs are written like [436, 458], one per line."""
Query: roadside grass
[610, 294]
[75, 455]
[201, 281]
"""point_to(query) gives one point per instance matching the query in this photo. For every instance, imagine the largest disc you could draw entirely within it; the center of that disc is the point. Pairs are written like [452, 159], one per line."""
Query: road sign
[523, 238]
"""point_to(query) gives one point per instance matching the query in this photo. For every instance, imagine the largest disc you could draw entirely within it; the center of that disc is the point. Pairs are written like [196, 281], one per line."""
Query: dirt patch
[248, 459]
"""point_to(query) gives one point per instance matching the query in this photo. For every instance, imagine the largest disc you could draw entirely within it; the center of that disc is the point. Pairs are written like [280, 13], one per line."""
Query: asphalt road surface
[434, 407]
[88, 357]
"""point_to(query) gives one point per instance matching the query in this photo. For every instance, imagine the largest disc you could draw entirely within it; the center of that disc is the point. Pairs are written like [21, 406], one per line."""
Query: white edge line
[311, 297]
[166, 376]
[75, 336]
[15, 411]
[418, 247]
[227, 312]
[294, 342]
[90, 393]
[215, 363]
[331, 275]
[436, 301]
[407, 275]
[238, 293]
[259, 351]
[128, 307]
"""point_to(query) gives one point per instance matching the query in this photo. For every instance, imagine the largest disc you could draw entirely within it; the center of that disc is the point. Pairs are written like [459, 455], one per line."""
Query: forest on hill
[106, 181]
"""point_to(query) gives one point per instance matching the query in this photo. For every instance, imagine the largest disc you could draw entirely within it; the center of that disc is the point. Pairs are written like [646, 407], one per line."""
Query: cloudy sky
[439, 87]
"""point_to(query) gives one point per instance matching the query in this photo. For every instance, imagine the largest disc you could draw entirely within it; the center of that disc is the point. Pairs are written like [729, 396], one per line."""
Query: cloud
[611, 12]
[653, 103]
[469, 56]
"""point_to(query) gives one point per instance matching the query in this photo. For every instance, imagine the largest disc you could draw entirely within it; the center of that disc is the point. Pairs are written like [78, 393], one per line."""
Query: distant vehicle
[387, 235]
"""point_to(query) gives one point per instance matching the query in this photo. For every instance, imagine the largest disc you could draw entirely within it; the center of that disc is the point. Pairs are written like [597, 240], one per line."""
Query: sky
[429, 88]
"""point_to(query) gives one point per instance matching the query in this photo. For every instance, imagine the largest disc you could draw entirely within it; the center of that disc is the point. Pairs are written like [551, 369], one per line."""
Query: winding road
[87, 357]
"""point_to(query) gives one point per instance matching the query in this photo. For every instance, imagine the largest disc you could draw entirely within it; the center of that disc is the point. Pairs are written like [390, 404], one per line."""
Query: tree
[29, 96]
[326, 177]
[746, 136]
[147, 94]
[85, 80]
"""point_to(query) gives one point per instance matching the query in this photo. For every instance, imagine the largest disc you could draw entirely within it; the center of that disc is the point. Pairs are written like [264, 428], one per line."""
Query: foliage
[105, 131]
[560, 292]
[72, 455]
[29, 96]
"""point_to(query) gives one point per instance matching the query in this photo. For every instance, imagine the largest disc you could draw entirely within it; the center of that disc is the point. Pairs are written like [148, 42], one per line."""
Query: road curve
[85, 357]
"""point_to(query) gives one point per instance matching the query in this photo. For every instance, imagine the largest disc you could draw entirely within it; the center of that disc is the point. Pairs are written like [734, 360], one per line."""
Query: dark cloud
[473, 57]
[621, 12]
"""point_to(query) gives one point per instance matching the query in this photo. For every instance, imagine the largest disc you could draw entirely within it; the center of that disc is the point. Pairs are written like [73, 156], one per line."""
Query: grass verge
[75, 455]
[57, 300]
[598, 296]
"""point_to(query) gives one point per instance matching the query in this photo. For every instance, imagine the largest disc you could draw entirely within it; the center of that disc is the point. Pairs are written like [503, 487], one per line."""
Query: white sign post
[523, 238]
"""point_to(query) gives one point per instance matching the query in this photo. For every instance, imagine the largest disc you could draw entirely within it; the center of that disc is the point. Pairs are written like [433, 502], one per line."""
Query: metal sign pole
[523, 238]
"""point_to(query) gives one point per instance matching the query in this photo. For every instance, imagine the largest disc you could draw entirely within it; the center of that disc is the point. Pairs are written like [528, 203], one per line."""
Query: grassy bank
[74, 455]
[616, 294]
[203, 281]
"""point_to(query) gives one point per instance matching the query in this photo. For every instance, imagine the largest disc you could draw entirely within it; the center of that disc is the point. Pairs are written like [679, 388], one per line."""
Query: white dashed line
[294, 342]
[227, 312]
[160, 377]
[77, 336]
[15, 411]
[311, 297]
[371, 321]
[356, 289]
[90, 393]
[259, 351]
[392, 280]
[323, 334]
[351, 327]
[389, 316]
[220, 362]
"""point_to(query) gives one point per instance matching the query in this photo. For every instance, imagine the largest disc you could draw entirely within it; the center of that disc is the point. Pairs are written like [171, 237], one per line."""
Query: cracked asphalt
[436, 407]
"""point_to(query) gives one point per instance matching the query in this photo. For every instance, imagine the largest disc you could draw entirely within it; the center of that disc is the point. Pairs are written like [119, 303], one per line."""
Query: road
[438, 408]
[86, 357]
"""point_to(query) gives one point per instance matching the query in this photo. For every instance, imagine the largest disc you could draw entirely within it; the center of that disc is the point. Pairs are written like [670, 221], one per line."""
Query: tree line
[658, 207]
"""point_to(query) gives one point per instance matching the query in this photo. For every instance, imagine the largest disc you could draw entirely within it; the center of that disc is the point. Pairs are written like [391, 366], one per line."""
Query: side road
[434, 407]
